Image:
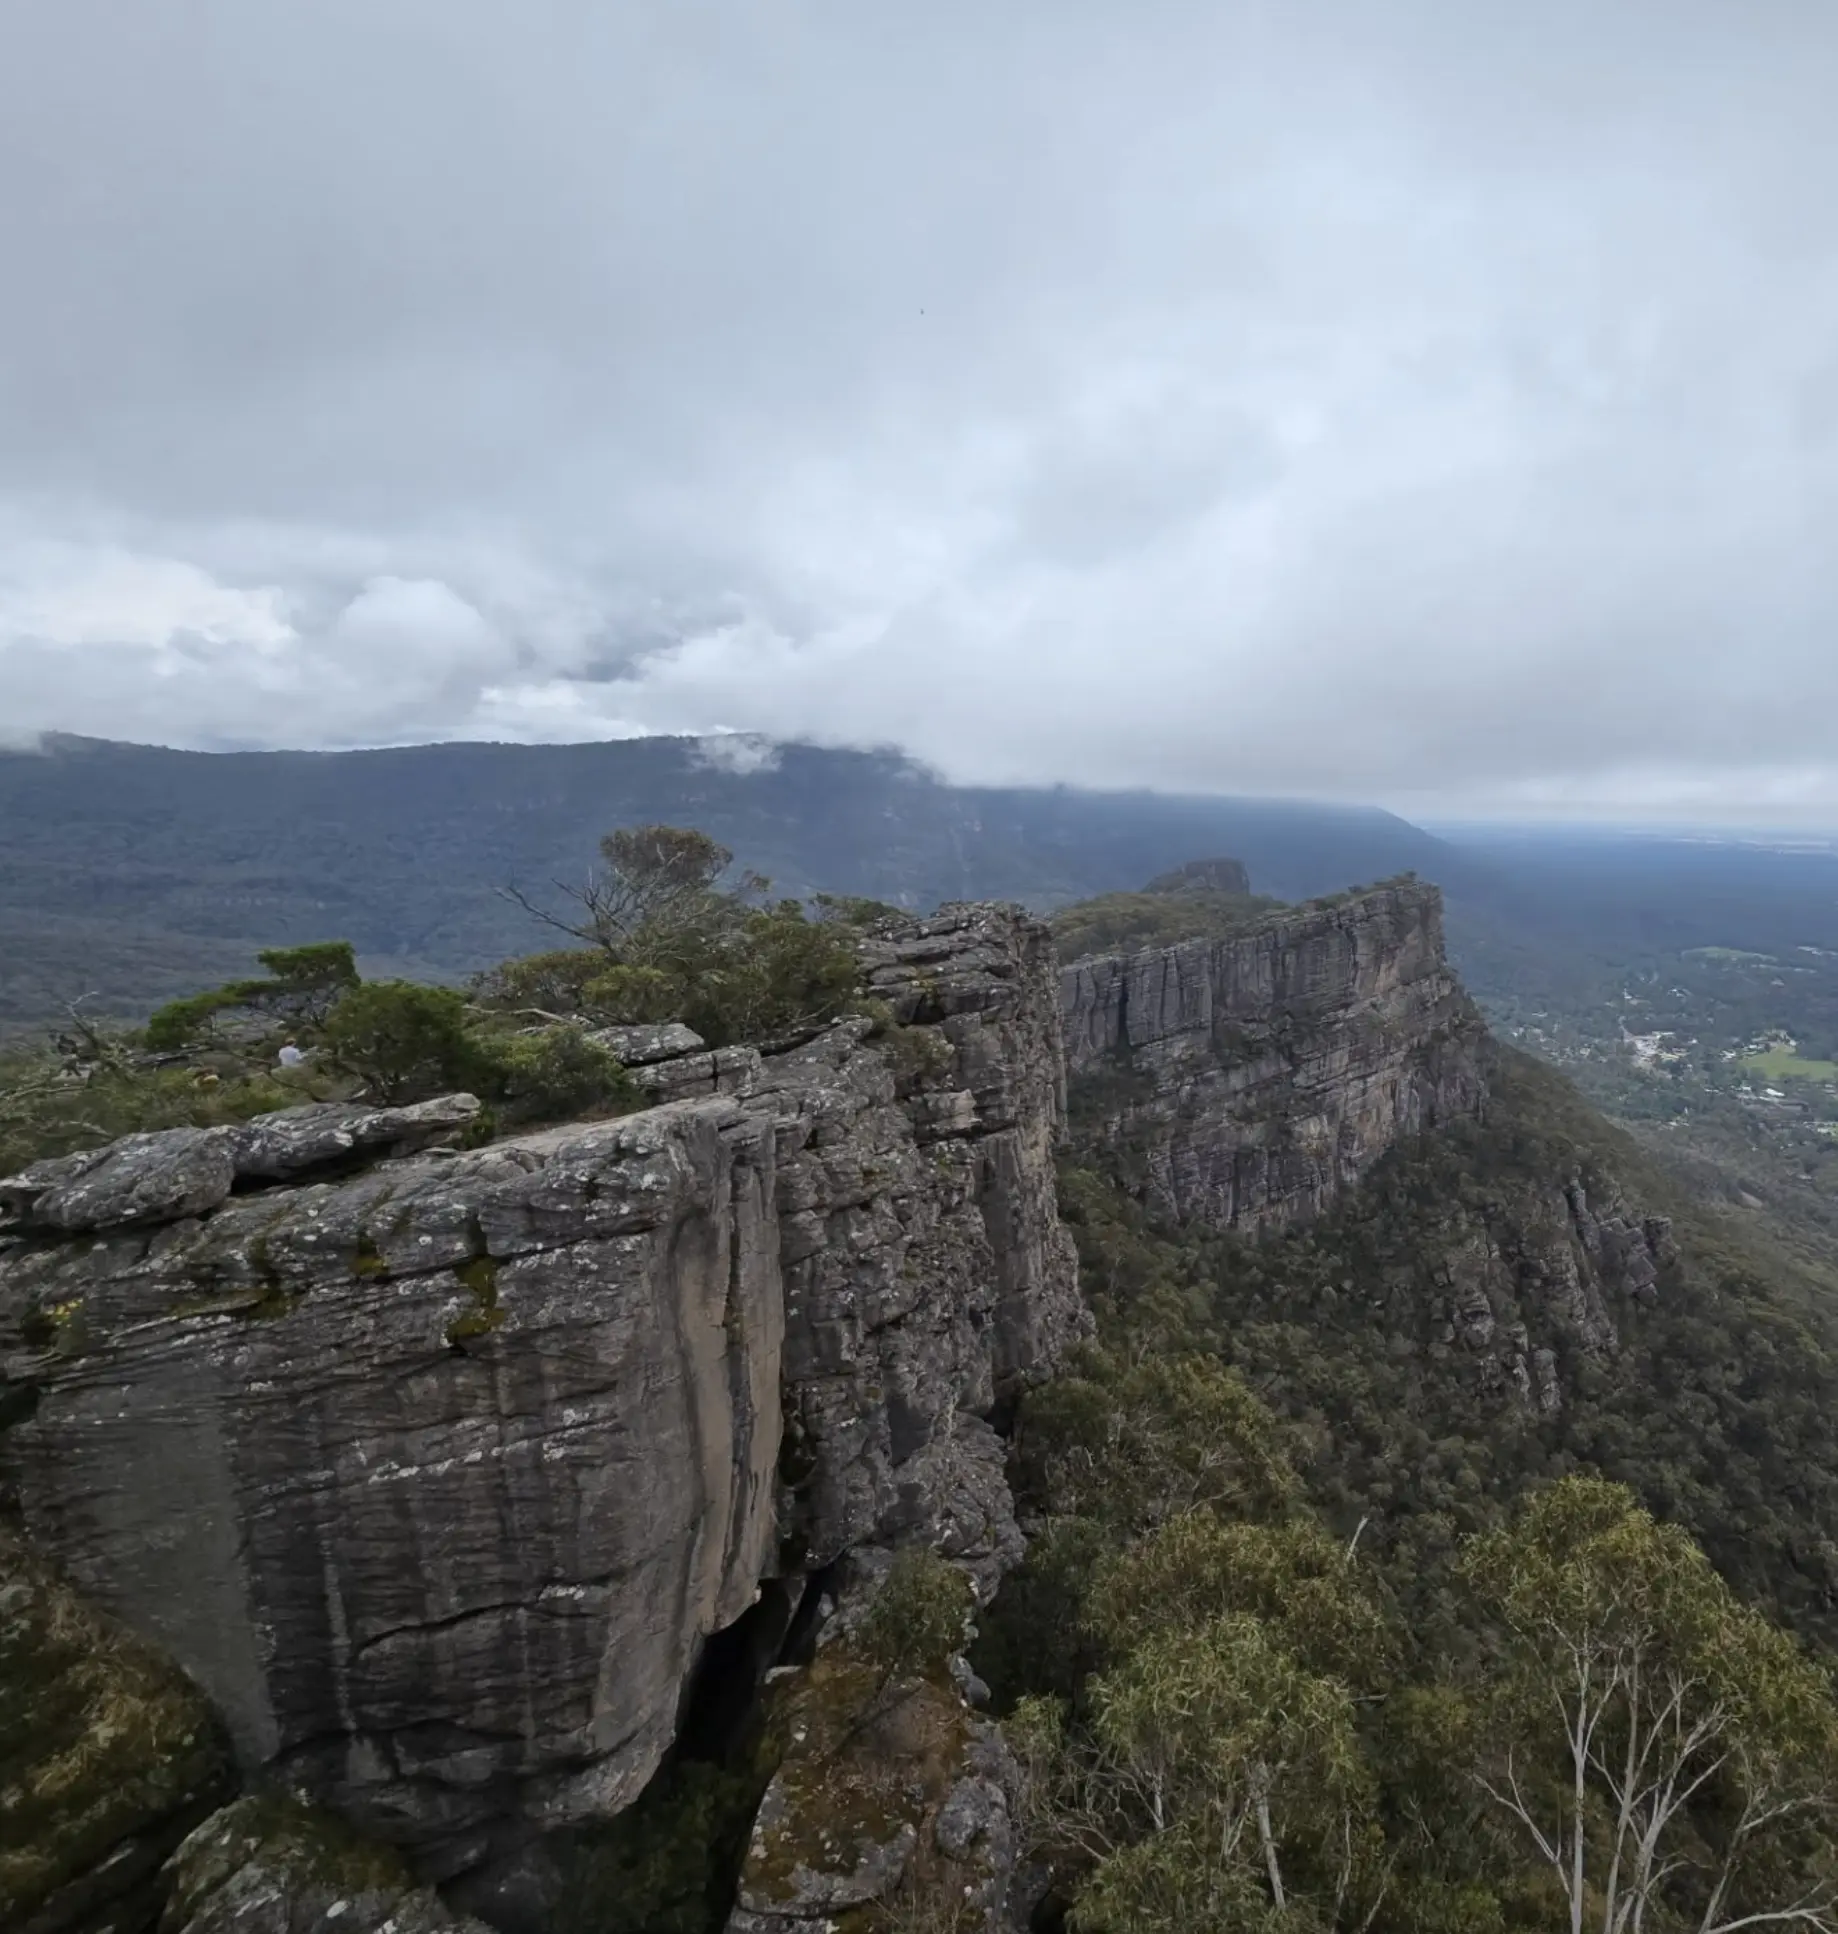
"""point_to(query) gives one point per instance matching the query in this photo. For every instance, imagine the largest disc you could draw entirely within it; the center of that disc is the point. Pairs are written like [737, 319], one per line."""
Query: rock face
[1518, 1291]
[1203, 876]
[437, 1472]
[181, 1172]
[1255, 1077]
[398, 1466]
[889, 1798]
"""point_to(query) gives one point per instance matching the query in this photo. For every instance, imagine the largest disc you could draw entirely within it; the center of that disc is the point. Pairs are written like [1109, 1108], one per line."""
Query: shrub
[557, 1075]
[664, 943]
[403, 1040]
[919, 1620]
[553, 984]
[302, 985]
[777, 973]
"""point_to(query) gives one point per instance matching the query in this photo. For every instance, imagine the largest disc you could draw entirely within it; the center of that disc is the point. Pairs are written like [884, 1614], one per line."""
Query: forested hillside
[144, 873]
[1337, 1488]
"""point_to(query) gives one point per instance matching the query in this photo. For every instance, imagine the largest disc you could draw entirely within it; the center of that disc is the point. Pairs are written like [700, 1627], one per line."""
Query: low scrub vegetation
[657, 936]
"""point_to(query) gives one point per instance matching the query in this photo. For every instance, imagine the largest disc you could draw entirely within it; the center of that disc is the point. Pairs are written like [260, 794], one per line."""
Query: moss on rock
[273, 1864]
[108, 1757]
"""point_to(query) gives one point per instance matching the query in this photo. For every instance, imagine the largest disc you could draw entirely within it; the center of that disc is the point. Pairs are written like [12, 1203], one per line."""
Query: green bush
[1126, 922]
[920, 1618]
[303, 984]
[49, 1107]
[551, 984]
[776, 972]
[404, 1041]
[557, 1075]
[664, 943]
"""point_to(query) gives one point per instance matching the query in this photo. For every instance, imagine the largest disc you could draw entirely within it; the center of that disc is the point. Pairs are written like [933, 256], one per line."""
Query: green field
[1779, 1064]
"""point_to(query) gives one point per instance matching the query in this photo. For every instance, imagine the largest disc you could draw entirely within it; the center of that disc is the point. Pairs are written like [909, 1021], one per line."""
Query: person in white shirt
[291, 1057]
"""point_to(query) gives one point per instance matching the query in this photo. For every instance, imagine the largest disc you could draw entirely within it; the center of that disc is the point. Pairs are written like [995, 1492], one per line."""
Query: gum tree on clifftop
[662, 940]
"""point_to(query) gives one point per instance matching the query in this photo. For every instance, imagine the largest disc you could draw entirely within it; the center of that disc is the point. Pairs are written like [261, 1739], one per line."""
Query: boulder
[641, 1045]
[159, 1177]
[271, 1864]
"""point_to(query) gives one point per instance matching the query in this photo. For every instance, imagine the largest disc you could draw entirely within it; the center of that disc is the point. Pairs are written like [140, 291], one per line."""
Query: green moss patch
[480, 1279]
[865, 1760]
[105, 1742]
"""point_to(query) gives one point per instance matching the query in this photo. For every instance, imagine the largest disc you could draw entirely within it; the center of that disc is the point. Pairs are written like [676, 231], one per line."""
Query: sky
[1432, 403]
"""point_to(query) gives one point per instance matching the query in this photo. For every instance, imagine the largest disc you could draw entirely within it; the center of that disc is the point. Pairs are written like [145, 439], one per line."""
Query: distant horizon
[1731, 825]
[1727, 832]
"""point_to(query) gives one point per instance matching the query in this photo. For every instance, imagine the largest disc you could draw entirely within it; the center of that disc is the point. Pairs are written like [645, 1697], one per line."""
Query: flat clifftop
[1253, 1076]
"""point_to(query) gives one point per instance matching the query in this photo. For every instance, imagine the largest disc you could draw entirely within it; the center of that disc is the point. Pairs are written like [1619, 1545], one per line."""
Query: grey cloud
[1427, 402]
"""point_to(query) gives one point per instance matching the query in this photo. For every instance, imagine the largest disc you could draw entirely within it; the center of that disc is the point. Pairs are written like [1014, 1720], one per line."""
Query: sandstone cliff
[1252, 1078]
[437, 1468]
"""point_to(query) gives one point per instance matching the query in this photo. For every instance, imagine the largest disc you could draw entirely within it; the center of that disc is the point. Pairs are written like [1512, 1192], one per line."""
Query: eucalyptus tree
[1668, 1755]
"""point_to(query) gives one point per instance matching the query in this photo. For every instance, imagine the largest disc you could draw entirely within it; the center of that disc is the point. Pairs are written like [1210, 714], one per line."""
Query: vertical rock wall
[435, 1469]
[1255, 1077]
[435, 1477]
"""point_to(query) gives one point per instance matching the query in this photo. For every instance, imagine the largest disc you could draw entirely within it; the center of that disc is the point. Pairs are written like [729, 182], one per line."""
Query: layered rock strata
[1255, 1077]
[436, 1470]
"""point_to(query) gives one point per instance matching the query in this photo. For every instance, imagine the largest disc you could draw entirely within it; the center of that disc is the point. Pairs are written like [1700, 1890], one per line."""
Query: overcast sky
[1433, 403]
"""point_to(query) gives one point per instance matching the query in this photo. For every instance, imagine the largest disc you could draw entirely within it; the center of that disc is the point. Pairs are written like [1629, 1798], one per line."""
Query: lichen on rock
[272, 1864]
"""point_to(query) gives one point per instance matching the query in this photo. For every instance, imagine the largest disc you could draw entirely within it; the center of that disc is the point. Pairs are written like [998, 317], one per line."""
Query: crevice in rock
[720, 1696]
[799, 1646]
[335, 1168]
[721, 1700]
[673, 1858]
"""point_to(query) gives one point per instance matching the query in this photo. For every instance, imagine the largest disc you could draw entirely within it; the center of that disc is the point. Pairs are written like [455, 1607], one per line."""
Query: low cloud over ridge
[1435, 404]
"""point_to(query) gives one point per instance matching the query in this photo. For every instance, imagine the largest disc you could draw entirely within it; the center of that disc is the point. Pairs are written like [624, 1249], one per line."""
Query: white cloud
[737, 752]
[1434, 402]
[62, 594]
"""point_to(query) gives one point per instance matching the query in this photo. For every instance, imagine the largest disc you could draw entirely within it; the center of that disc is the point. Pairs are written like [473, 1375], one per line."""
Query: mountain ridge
[183, 856]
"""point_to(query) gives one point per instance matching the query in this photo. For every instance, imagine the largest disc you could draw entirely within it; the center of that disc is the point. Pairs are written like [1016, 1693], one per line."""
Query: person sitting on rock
[290, 1056]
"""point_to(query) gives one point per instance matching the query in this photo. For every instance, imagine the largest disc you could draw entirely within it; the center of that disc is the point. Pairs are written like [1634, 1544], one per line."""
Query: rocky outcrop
[436, 1470]
[270, 1864]
[892, 1800]
[1203, 876]
[1530, 1283]
[1250, 1079]
[181, 1172]
[886, 1799]
[398, 1466]
[108, 1757]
